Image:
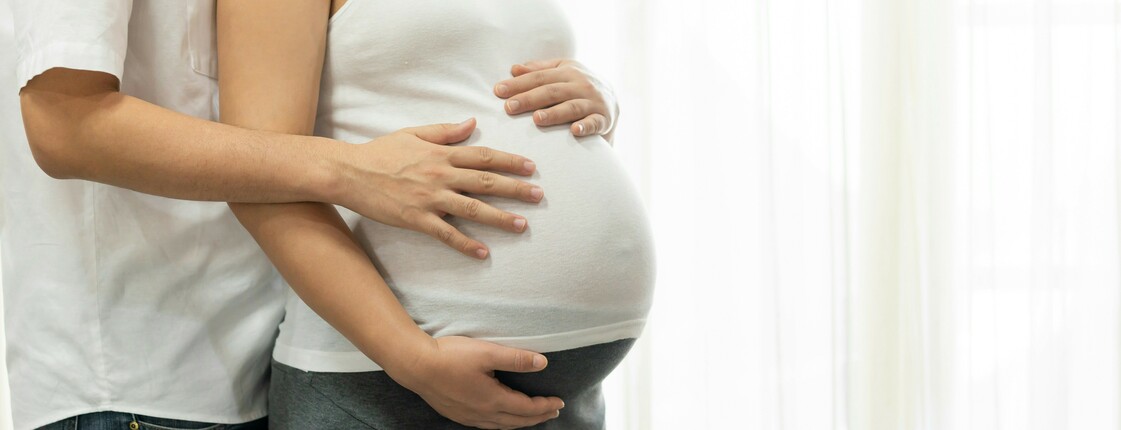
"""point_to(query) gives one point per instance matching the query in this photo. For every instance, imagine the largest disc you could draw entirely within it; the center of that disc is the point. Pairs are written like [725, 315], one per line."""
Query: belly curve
[585, 261]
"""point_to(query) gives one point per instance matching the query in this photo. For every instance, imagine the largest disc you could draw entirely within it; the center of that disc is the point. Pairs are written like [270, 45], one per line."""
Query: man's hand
[562, 91]
[410, 179]
[455, 376]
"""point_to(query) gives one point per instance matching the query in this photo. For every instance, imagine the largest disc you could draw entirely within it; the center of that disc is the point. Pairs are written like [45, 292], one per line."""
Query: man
[132, 297]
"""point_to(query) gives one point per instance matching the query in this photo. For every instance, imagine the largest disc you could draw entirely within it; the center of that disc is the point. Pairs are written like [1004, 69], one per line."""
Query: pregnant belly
[582, 273]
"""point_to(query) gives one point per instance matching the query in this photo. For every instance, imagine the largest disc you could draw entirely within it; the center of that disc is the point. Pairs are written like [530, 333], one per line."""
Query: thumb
[517, 360]
[533, 66]
[443, 133]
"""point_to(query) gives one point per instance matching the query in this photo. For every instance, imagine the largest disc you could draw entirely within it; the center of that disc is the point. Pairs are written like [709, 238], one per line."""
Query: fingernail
[562, 404]
[501, 89]
[557, 415]
[542, 115]
[538, 361]
[466, 121]
[481, 253]
[519, 224]
[512, 105]
[579, 129]
[529, 166]
[537, 193]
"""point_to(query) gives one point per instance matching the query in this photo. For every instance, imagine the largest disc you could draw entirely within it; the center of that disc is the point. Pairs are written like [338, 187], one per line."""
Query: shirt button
[133, 426]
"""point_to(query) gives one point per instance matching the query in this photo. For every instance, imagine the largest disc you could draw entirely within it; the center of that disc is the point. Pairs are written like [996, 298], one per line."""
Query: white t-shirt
[582, 274]
[116, 300]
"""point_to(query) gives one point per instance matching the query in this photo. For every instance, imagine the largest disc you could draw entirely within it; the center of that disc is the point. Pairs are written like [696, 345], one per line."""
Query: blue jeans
[126, 421]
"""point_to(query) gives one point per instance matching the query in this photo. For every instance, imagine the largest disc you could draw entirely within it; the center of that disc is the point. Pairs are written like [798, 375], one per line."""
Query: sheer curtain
[878, 214]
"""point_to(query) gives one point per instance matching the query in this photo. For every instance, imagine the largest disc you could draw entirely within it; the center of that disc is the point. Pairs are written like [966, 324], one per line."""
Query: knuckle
[538, 79]
[486, 155]
[443, 233]
[438, 152]
[471, 208]
[576, 110]
[421, 196]
[554, 92]
[487, 180]
[411, 215]
[433, 173]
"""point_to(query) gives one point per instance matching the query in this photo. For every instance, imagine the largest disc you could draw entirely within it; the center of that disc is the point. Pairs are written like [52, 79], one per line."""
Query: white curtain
[878, 214]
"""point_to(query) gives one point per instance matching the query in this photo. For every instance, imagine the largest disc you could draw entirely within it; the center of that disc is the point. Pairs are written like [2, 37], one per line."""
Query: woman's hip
[299, 399]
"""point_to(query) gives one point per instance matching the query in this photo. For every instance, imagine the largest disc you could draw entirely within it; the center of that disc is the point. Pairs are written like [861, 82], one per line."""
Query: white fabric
[115, 300]
[10, 129]
[914, 208]
[583, 272]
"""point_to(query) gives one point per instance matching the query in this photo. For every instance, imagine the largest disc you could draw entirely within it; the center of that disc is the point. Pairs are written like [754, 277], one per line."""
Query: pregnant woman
[575, 283]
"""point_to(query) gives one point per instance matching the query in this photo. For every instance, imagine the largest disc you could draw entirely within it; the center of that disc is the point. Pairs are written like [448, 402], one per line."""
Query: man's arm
[270, 59]
[80, 126]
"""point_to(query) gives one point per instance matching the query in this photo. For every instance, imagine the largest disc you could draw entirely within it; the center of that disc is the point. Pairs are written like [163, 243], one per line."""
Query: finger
[452, 237]
[593, 124]
[529, 81]
[472, 209]
[516, 421]
[533, 66]
[516, 360]
[514, 402]
[491, 184]
[443, 133]
[567, 112]
[543, 97]
[484, 158]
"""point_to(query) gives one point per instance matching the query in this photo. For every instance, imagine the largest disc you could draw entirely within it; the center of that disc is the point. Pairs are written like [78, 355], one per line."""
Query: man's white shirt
[113, 299]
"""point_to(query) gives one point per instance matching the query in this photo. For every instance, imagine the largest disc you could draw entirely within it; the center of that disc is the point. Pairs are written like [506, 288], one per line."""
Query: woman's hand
[411, 179]
[455, 375]
[561, 91]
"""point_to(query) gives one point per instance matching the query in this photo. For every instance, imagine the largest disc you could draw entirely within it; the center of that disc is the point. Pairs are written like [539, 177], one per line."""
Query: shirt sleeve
[75, 34]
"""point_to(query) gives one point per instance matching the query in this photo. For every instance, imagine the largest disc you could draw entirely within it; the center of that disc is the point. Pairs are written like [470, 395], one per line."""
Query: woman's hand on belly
[456, 377]
[410, 179]
[562, 91]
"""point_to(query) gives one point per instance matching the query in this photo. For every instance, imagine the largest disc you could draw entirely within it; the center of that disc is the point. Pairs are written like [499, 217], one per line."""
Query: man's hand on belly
[411, 179]
[456, 377]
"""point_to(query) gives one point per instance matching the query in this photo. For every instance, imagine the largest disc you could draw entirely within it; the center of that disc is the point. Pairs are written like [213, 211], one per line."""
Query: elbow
[48, 154]
[51, 142]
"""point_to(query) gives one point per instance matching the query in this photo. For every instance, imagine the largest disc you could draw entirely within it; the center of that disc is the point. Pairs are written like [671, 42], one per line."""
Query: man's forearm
[111, 138]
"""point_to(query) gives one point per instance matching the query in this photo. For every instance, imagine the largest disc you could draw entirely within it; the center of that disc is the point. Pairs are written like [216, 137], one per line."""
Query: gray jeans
[371, 400]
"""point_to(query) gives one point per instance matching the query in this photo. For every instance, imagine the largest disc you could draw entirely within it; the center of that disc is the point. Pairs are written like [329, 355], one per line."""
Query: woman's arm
[270, 59]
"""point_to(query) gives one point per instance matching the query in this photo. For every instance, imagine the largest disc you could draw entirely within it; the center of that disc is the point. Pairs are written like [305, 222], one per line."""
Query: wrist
[326, 171]
[403, 358]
